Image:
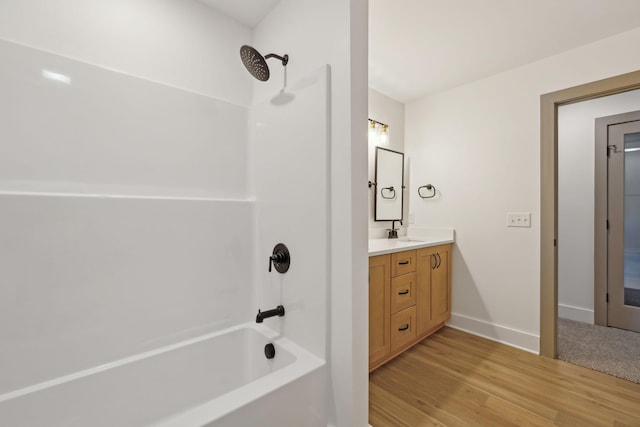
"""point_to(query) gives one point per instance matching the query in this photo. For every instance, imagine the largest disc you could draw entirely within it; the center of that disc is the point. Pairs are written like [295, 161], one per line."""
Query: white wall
[391, 112]
[127, 222]
[314, 34]
[178, 43]
[479, 145]
[576, 157]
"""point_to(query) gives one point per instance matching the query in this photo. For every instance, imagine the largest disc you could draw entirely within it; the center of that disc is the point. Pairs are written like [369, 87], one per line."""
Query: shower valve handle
[280, 259]
[277, 259]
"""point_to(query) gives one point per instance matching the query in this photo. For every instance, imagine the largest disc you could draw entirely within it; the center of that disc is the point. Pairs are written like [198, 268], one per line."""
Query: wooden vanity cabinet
[409, 299]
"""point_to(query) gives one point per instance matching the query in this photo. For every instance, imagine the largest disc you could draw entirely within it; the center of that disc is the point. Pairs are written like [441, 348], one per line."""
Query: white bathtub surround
[179, 43]
[87, 280]
[127, 263]
[115, 210]
[290, 177]
[202, 379]
[110, 133]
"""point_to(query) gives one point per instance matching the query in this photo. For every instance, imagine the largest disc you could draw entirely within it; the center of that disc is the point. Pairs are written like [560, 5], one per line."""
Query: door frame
[601, 212]
[549, 104]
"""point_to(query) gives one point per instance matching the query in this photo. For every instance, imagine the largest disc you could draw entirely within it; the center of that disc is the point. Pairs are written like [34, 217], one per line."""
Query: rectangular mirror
[389, 184]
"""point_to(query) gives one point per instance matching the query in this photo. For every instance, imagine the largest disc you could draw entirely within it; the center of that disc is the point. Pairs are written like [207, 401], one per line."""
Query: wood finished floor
[456, 379]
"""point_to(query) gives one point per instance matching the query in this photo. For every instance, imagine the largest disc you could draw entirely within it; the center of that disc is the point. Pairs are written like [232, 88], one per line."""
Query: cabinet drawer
[403, 263]
[403, 327]
[403, 292]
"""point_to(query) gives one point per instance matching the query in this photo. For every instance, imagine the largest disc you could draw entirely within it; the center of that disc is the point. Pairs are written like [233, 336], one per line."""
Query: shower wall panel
[181, 43]
[125, 221]
[68, 126]
[87, 280]
[290, 162]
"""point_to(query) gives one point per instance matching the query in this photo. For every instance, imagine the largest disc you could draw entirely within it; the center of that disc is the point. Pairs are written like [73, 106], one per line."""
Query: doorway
[549, 194]
[618, 211]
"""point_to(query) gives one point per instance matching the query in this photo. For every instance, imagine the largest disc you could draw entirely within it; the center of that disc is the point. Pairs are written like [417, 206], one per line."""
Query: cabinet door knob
[406, 291]
[404, 328]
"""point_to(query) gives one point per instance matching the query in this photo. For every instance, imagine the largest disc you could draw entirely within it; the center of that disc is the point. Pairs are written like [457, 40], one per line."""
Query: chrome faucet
[393, 231]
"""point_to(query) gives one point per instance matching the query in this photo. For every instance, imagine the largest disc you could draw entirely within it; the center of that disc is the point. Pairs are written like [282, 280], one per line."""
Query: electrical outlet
[518, 219]
[412, 218]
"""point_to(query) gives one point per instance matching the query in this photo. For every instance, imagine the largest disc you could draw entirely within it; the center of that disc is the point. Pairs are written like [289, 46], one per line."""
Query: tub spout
[278, 311]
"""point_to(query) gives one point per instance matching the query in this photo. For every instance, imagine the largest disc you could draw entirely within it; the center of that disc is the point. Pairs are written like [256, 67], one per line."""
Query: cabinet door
[379, 307]
[425, 262]
[433, 293]
[441, 285]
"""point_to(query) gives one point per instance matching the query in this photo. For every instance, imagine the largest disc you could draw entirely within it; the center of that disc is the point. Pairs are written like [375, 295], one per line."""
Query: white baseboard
[502, 334]
[578, 314]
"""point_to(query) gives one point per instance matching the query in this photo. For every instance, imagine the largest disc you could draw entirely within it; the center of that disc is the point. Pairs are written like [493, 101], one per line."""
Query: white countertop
[417, 238]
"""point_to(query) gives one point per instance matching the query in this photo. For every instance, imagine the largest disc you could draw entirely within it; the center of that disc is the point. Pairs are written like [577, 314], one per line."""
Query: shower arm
[284, 59]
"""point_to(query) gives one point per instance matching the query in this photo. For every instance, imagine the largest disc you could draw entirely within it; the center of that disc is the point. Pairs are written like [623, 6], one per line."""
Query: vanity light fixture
[378, 132]
[374, 124]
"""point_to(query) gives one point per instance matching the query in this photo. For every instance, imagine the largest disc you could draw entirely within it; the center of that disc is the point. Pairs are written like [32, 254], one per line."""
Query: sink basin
[409, 239]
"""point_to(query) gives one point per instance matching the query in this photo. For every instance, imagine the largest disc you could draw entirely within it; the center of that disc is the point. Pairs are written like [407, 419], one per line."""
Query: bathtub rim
[205, 413]
[298, 353]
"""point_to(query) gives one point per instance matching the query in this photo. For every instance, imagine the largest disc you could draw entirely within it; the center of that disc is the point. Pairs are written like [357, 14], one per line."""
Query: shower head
[256, 64]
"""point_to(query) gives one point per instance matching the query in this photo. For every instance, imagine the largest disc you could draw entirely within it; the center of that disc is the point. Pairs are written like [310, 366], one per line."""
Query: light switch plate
[518, 219]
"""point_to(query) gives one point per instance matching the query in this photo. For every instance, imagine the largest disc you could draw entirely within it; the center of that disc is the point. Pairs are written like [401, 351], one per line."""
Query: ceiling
[247, 12]
[419, 47]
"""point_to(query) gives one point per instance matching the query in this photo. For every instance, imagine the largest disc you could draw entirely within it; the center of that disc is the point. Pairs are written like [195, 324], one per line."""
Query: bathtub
[219, 379]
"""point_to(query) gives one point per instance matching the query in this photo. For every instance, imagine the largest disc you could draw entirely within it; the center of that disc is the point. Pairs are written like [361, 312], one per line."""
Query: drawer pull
[403, 262]
[404, 328]
[406, 291]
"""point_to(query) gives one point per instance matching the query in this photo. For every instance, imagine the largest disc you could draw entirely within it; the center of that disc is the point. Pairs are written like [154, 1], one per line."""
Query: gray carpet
[612, 351]
[632, 297]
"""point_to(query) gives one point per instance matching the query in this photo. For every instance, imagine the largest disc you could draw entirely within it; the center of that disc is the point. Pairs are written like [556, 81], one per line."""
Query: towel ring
[430, 188]
[391, 190]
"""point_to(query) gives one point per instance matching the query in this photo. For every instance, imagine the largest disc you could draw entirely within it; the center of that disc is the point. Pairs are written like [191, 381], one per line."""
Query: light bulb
[372, 131]
[384, 136]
